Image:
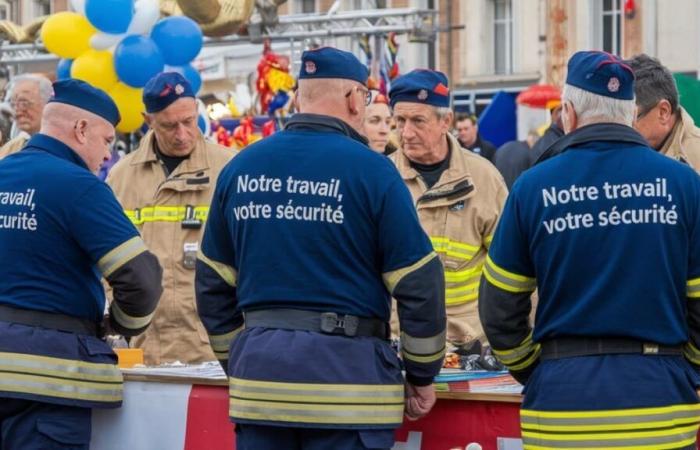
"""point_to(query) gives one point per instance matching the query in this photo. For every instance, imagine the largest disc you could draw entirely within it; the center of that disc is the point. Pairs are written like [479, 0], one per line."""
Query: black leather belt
[326, 322]
[52, 321]
[569, 347]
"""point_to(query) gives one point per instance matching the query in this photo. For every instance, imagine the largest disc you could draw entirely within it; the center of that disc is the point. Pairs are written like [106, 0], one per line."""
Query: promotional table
[171, 413]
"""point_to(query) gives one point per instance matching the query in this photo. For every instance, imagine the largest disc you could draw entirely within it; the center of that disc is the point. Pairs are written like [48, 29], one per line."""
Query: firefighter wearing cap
[165, 188]
[458, 194]
[61, 230]
[609, 232]
[309, 235]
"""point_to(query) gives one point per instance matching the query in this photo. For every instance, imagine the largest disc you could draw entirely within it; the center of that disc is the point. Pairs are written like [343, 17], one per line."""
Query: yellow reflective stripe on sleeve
[127, 321]
[320, 403]
[227, 273]
[691, 353]
[392, 279]
[487, 241]
[146, 214]
[693, 288]
[454, 249]
[508, 281]
[60, 378]
[121, 255]
[423, 346]
[220, 343]
[520, 357]
[221, 356]
[424, 359]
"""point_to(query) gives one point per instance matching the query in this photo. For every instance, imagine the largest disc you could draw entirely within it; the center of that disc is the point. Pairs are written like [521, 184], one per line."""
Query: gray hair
[592, 107]
[442, 111]
[653, 83]
[45, 86]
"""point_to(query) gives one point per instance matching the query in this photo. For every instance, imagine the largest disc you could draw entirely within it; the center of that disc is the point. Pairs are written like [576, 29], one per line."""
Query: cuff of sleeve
[419, 381]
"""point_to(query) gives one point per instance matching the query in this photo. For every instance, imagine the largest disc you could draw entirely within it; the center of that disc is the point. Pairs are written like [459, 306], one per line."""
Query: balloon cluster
[118, 45]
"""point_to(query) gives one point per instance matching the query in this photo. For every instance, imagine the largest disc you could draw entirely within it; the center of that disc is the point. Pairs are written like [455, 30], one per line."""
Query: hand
[419, 400]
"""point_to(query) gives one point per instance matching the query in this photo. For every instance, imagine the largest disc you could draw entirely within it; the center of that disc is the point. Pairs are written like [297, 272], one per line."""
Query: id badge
[189, 258]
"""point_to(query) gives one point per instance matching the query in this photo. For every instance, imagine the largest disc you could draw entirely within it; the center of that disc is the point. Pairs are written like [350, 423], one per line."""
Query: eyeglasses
[368, 94]
[21, 103]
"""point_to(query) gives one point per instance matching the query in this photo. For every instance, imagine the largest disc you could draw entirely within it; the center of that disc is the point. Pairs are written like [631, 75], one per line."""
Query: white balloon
[78, 6]
[104, 41]
[146, 14]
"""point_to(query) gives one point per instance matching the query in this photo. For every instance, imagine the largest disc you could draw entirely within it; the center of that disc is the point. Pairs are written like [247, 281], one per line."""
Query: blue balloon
[179, 39]
[190, 73]
[137, 59]
[110, 16]
[63, 69]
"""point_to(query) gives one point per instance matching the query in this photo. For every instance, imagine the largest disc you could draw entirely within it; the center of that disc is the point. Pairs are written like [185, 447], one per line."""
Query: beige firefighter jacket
[684, 141]
[14, 145]
[459, 213]
[170, 214]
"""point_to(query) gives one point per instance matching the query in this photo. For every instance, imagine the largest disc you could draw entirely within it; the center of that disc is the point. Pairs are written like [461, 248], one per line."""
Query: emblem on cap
[179, 89]
[422, 94]
[310, 67]
[613, 84]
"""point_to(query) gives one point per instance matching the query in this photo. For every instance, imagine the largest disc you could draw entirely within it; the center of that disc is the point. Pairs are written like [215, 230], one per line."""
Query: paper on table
[210, 370]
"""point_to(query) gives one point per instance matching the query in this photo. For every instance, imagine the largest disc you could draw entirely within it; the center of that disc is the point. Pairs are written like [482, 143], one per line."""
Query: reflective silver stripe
[679, 436]
[227, 273]
[515, 354]
[120, 255]
[423, 346]
[355, 396]
[507, 280]
[313, 413]
[392, 279]
[54, 387]
[221, 356]
[692, 353]
[609, 421]
[222, 342]
[45, 365]
[130, 322]
[693, 288]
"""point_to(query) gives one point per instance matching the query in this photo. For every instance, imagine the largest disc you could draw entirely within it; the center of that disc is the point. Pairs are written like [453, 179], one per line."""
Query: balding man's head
[336, 97]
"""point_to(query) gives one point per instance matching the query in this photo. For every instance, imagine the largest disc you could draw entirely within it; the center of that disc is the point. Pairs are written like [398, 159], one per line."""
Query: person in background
[612, 360]
[468, 136]
[378, 124]
[458, 196]
[165, 188]
[551, 134]
[513, 158]
[28, 96]
[294, 287]
[663, 122]
[60, 234]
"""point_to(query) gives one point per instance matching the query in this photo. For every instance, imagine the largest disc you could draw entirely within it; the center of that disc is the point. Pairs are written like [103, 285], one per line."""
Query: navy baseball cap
[85, 96]
[329, 62]
[601, 73]
[164, 89]
[428, 87]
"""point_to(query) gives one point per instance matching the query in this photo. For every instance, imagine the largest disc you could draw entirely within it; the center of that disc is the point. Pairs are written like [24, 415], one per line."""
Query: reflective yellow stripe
[423, 346]
[316, 403]
[424, 359]
[458, 276]
[120, 255]
[392, 279]
[146, 214]
[60, 378]
[227, 273]
[693, 288]
[221, 356]
[220, 343]
[454, 249]
[672, 446]
[520, 357]
[611, 413]
[692, 353]
[130, 322]
[508, 281]
[487, 241]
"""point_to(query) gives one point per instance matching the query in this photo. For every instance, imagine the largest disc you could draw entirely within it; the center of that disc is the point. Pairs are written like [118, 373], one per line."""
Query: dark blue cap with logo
[601, 73]
[428, 87]
[164, 89]
[85, 96]
[329, 62]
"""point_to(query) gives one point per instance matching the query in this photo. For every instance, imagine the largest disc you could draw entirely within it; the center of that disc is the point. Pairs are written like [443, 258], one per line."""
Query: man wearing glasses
[661, 119]
[28, 96]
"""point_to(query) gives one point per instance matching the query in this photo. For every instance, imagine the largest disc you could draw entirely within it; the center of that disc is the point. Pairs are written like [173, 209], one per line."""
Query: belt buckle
[330, 322]
[650, 349]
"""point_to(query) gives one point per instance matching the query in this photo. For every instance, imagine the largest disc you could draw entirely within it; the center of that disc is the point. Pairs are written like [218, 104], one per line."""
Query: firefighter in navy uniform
[609, 233]
[61, 230]
[309, 234]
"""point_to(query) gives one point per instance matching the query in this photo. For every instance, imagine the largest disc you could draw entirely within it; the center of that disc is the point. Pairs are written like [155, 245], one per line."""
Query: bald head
[86, 133]
[340, 98]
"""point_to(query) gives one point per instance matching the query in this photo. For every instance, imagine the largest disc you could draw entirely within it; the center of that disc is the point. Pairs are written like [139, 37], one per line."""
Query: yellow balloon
[130, 105]
[67, 34]
[97, 68]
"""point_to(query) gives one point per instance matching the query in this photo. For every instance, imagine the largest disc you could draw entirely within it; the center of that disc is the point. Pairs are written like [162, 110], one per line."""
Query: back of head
[653, 83]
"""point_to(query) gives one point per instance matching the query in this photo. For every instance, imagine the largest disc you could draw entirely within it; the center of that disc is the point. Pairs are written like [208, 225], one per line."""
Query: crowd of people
[540, 252]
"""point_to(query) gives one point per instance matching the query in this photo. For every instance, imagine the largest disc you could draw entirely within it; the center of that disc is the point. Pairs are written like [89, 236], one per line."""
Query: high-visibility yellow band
[691, 353]
[392, 279]
[146, 214]
[520, 357]
[121, 255]
[637, 412]
[127, 321]
[423, 346]
[424, 359]
[508, 281]
[693, 288]
[226, 272]
[488, 240]
[222, 342]
[454, 249]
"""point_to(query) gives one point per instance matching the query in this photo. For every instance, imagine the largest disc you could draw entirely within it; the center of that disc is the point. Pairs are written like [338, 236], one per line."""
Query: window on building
[369, 4]
[4, 11]
[304, 6]
[42, 7]
[607, 25]
[503, 36]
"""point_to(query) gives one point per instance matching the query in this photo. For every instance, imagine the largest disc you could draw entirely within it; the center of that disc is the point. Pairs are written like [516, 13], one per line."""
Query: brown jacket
[684, 141]
[459, 213]
[14, 145]
[158, 207]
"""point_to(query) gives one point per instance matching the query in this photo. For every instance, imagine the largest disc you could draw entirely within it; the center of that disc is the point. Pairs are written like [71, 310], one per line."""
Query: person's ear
[80, 131]
[665, 112]
[352, 103]
[568, 117]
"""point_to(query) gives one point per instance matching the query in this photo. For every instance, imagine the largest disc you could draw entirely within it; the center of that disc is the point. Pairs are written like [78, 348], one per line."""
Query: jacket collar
[597, 132]
[318, 122]
[458, 169]
[673, 146]
[57, 148]
[197, 161]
